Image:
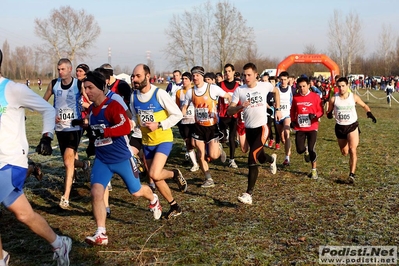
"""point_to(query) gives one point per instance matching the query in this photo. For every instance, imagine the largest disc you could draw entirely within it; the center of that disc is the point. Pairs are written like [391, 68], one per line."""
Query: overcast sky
[133, 27]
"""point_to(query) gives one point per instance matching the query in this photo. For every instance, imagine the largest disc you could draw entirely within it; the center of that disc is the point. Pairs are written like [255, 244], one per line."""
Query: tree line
[209, 35]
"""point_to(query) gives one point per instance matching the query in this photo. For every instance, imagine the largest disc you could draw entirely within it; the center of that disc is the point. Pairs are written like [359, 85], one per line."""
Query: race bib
[201, 114]
[304, 121]
[190, 111]
[284, 107]
[102, 142]
[343, 116]
[146, 116]
[66, 115]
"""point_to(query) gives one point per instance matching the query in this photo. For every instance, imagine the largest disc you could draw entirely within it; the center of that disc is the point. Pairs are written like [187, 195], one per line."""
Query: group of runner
[124, 124]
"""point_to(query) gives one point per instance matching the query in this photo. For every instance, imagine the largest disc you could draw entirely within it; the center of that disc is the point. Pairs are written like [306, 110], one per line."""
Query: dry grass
[290, 218]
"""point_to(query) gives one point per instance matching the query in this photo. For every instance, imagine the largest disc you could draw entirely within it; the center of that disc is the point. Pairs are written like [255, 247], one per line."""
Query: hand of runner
[371, 116]
[44, 147]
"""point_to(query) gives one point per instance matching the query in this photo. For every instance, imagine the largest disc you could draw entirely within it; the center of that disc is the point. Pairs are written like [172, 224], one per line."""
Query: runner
[155, 113]
[206, 131]
[187, 123]
[283, 125]
[67, 93]
[306, 110]
[252, 97]
[14, 162]
[109, 126]
[228, 124]
[347, 127]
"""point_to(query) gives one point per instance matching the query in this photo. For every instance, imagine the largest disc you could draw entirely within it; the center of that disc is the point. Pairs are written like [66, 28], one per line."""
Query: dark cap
[188, 75]
[96, 78]
[84, 67]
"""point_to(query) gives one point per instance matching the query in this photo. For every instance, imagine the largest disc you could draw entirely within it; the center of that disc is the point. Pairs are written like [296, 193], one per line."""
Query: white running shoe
[62, 254]
[273, 166]
[64, 204]
[156, 208]
[6, 257]
[208, 183]
[195, 168]
[232, 163]
[98, 239]
[245, 198]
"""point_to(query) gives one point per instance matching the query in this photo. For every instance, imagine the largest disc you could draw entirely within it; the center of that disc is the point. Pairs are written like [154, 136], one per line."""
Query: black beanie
[96, 78]
[84, 67]
[188, 75]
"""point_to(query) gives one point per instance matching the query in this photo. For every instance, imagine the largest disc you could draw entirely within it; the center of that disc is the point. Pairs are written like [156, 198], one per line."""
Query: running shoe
[139, 164]
[271, 143]
[223, 156]
[6, 257]
[286, 162]
[180, 181]
[273, 165]
[245, 198]
[208, 183]
[232, 163]
[37, 171]
[61, 254]
[175, 210]
[64, 204]
[98, 239]
[306, 156]
[277, 146]
[156, 208]
[351, 179]
[186, 156]
[195, 168]
[313, 174]
[86, 170]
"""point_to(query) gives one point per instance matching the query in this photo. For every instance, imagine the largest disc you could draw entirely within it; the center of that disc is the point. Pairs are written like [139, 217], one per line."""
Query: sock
[173, 202]
[57, 242]
[101, 230]
[108, 209]
[287, 158]
[175, 173]
[154, 200]
[208, 175]
[193, 157]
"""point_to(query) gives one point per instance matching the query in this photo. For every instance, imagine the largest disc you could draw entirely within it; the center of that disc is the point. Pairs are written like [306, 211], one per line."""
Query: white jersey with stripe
[14, 98]
[67, 105]
[285, 102]
[255, 114]
[345, 110]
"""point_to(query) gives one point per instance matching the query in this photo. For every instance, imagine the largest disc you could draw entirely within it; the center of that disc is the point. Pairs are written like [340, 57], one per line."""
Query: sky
[131, 27]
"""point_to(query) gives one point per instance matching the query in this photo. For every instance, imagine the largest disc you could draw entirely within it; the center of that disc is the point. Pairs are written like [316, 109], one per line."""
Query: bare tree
[336, 35]
[6, 67]
[208, 35]
[67, 33]
[387, 48]
[181, 40]
[232, 34]
[354, 38]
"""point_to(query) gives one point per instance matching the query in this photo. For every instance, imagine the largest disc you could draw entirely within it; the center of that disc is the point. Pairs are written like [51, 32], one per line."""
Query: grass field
[290, 218]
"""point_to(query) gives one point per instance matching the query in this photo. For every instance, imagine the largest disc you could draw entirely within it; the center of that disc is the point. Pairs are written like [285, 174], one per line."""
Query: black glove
[312, 116]
[330, 115]
[370, 115]
[97, 132]
[44, 147]
[77, 122]
[292, 124]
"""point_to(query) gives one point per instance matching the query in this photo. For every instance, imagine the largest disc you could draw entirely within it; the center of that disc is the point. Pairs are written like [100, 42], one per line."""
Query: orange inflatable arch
[309, 59]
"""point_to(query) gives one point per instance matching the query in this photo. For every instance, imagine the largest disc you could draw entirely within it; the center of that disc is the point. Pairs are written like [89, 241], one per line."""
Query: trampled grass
[290, 218]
